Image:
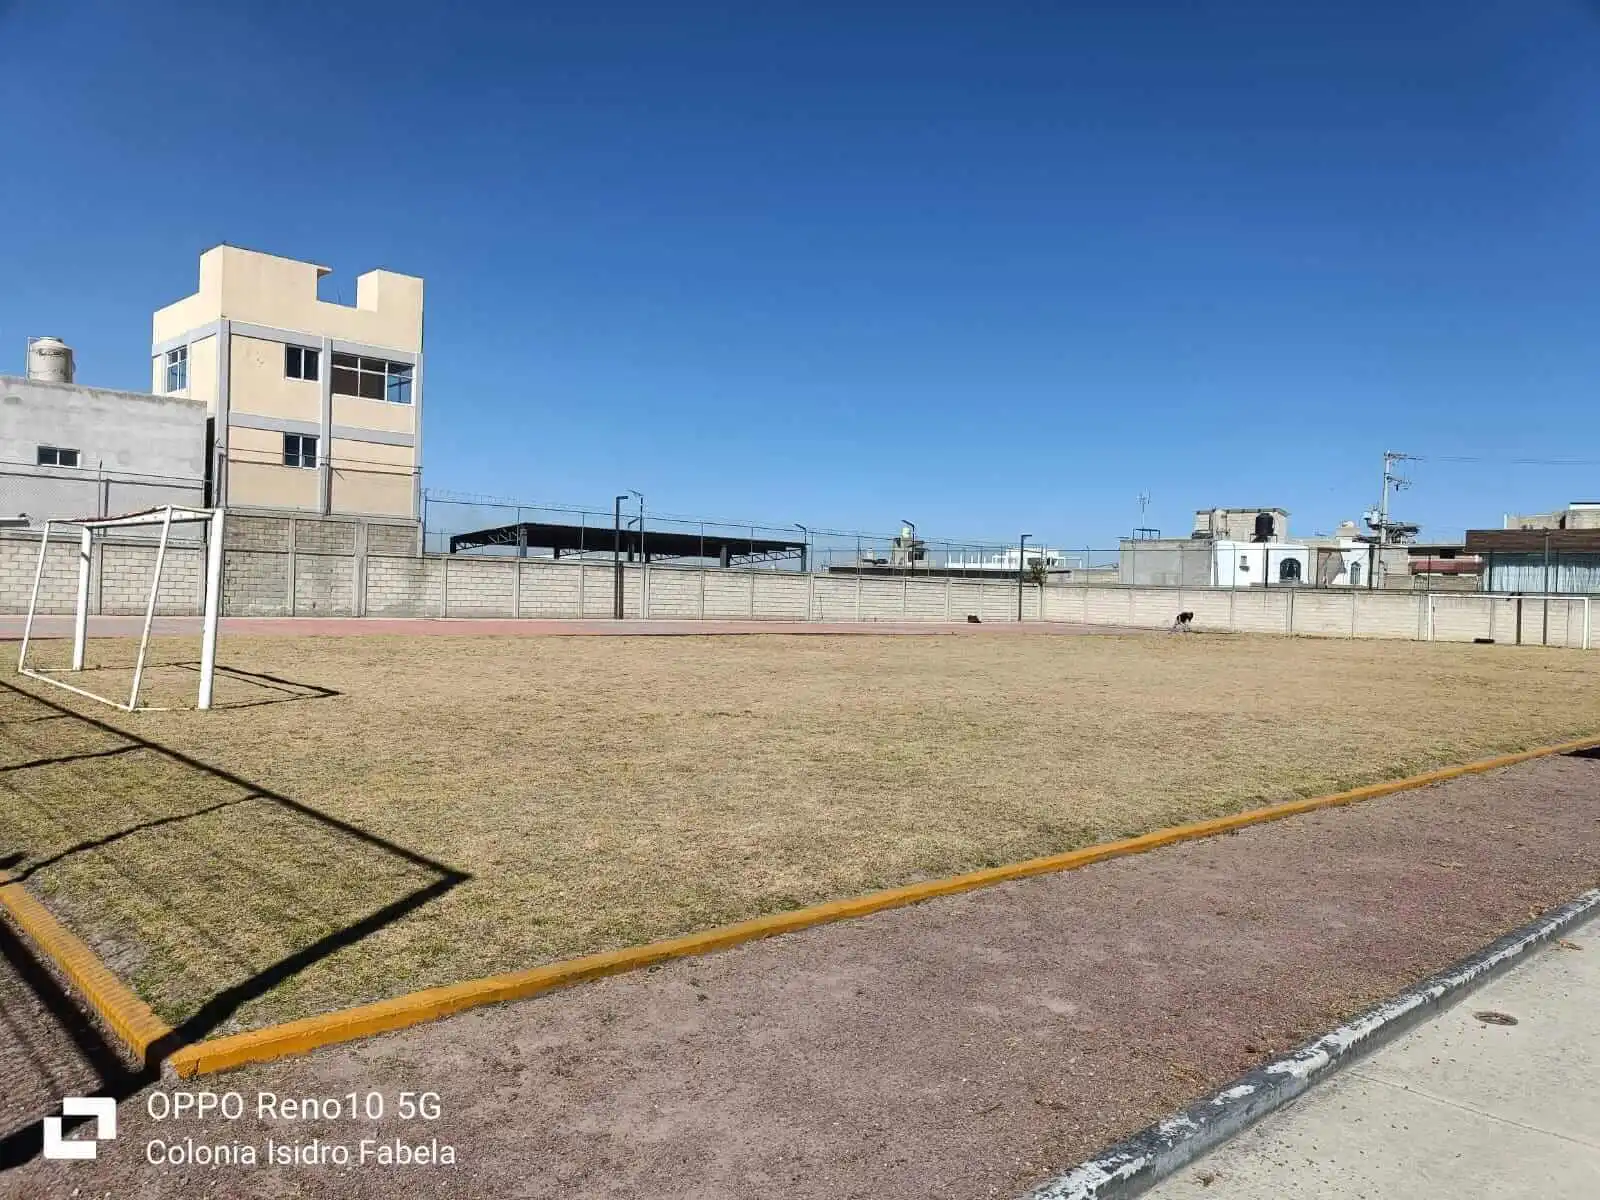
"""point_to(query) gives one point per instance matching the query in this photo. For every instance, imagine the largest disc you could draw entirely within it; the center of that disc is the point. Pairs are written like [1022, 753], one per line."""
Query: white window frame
[58, 451]
[299, 459]
[395, 376]
[178, 368]
[307, 357]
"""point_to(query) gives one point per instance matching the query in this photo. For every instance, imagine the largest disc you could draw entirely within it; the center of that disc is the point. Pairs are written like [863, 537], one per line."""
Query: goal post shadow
[375, 905]
[211, 602]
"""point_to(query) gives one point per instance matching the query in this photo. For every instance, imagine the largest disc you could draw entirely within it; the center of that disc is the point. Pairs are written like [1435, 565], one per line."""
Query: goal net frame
[165, 517]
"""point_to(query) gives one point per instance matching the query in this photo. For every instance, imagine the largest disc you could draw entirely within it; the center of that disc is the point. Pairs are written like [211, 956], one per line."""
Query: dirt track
[963, 1048]
[57, 626]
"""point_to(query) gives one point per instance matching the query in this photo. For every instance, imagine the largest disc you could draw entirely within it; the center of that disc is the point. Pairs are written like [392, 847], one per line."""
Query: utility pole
[1390, 480]
[1022, 570]
[616, 559]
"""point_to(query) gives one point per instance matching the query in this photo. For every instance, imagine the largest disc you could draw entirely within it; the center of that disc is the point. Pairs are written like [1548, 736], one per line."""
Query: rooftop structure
[312, 405]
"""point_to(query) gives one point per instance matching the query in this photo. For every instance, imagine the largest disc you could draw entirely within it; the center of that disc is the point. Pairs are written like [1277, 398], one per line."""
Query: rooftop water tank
[49, 360]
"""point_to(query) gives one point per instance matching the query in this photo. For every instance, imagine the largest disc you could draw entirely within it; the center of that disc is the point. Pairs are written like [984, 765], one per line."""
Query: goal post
[163, 518]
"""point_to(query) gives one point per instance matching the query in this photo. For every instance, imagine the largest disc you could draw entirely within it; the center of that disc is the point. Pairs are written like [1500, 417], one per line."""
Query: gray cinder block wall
[308, 566]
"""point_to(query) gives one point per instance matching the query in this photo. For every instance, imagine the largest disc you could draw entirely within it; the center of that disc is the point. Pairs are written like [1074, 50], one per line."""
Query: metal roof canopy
[1532, 541]
[658, 543]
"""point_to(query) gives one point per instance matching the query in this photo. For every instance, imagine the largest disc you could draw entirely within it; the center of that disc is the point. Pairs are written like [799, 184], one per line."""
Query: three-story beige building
[313, 406]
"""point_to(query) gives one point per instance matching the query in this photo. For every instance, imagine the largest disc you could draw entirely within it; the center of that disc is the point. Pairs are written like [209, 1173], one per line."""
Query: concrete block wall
[281, 566]
[479, 587]
[324, 585]
[121, 575]
[255, 583]
[404, 587]
[58, 588]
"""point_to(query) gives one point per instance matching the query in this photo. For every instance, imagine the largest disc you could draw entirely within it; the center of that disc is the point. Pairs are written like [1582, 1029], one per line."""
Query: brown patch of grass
[601, 792]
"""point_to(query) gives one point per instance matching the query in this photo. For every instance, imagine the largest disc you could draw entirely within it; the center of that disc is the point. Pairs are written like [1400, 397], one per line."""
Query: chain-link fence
[458, 523]
[465, 524]
[34, 494]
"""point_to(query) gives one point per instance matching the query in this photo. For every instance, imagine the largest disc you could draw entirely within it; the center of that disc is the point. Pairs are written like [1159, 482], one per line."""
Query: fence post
[752, 595]
[905, 596]
[947, 597]
[358, 573]
[858, 587]
[1233, 597]
[290, 597]
[702, 593]
[811, 593]
[444, 586]
[1352, 612]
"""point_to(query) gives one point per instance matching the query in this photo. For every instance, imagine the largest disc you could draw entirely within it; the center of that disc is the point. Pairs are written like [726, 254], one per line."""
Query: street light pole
[616, 560]
[644, 569]
[1022, 569]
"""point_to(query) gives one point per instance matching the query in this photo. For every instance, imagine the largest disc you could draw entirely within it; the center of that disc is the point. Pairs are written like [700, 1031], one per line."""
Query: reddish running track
[61, 626]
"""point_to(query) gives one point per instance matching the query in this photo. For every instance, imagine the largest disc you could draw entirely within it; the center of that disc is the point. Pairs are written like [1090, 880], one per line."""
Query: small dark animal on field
[972, 619]
[1184, 623]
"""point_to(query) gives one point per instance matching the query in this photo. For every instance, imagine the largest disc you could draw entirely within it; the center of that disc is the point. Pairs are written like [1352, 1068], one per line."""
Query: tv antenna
[1141, 531]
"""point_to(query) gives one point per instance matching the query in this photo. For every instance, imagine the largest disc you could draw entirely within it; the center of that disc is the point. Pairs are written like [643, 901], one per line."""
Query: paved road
[1457, 1108]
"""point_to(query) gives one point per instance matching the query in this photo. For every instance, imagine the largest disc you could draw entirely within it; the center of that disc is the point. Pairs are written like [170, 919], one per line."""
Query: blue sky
[989, 267]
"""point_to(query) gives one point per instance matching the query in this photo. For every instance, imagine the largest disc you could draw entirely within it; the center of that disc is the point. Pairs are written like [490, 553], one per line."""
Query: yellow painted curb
[310, 1033]
[128, 1016]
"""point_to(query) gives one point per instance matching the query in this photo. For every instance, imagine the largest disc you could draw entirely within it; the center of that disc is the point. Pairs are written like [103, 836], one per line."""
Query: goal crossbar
[165, 517]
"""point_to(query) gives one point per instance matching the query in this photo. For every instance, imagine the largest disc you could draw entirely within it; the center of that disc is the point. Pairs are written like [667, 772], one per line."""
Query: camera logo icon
[104, 1111]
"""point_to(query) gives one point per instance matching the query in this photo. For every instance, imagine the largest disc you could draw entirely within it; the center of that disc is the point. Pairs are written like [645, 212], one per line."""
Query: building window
[301, 362]
[177, 369]
[1289, 571]
[1355, 574]
[372, 378]
[299, 450]
[55, 456]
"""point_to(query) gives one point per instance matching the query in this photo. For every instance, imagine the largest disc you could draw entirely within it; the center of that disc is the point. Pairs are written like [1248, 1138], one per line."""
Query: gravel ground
[967, 1047]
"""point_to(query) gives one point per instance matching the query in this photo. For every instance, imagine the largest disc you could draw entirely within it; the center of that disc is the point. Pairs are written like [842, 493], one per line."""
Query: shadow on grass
[113, 1076]
[287, 689]
[346, 843]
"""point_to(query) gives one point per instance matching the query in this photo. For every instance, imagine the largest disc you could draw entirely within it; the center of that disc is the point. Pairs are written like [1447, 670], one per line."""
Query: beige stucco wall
[263, 289]
[258, 478]
[372, 479]
[374, 454]
[257, 384]
[203, 307]
[203, 371]
[202, 378]
[359, 413]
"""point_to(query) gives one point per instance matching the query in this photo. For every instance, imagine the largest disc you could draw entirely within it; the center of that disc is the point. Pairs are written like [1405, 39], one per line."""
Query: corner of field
[141, 1031]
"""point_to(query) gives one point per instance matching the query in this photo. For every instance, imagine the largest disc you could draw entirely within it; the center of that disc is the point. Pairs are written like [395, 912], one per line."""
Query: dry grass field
[371, 815]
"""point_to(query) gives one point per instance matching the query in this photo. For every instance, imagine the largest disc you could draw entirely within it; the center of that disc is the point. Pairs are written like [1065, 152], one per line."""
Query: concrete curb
[130, 1018]
[1132, 1167]
[415, 1008]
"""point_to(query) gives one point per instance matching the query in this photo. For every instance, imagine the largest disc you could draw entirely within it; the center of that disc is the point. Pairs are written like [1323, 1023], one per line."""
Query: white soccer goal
[165, 518]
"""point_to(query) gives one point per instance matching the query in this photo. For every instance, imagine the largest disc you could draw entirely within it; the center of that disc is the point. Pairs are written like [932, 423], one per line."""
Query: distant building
[312, 406]
[1229, 547]
[69, 451]
[1241, 524]
[1556, 552]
